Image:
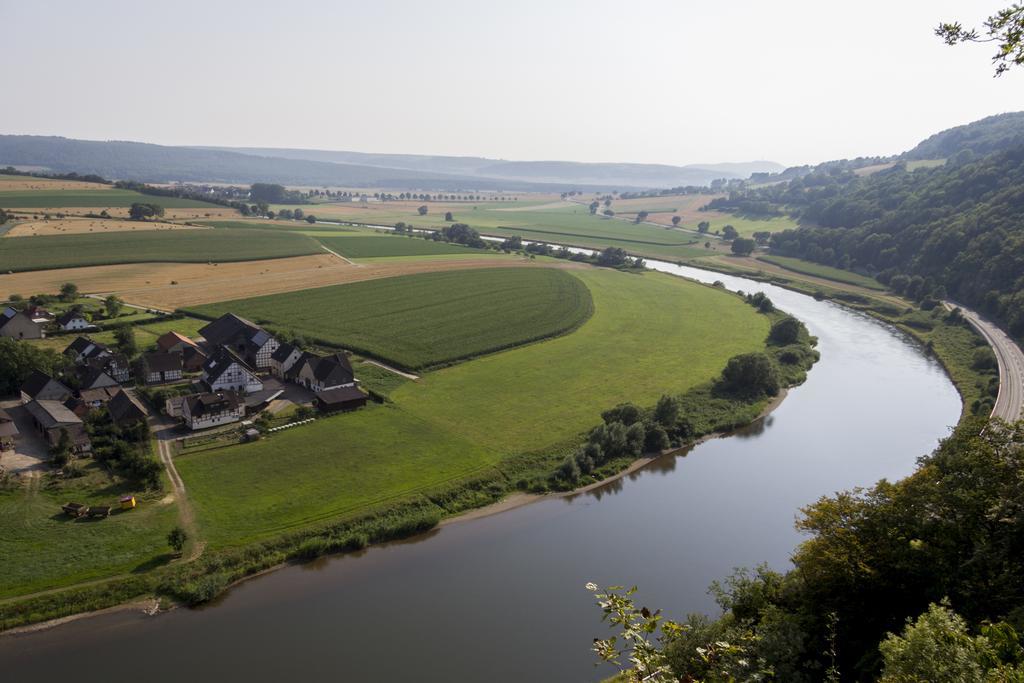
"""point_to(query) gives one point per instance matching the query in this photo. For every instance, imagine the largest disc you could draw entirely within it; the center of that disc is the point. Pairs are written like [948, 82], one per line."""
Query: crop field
[375, 246]
[822, 271]
[54, 199]
[658, 334]
[298, 226]
[68, 251]
[167, 286]
[419, 321]
[41, 548]
[75, 226]
[20, 183]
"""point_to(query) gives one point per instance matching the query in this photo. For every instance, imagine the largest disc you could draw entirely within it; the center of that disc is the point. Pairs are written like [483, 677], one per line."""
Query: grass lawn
[374, 246]
[321, 471]
[53, 199]
[145, 335]
[650, 334]
[184, 246]
[41, 548]
[423, 320]
[827, 272]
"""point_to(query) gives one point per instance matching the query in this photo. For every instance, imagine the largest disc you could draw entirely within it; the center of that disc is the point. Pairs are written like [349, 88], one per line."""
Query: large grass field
[41, 548]
[418, 321]
[650, 334]
[185, 246]
[54, 199]
[819, 270]
[375, 246]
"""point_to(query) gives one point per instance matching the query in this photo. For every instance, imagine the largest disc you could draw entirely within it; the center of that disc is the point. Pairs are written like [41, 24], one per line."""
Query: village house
[53, 417]
[225, 370]
[90, 377]
[84, 351]
[91, 399]
[125, 410]
[71, 320]
[248, 340]
[322, 373]
[283, 358]
[340, 399]
[17, 325]
[212, 409]
[8, 430]
[40, 386]
[157, 367]
[170, 342]
[39, 315]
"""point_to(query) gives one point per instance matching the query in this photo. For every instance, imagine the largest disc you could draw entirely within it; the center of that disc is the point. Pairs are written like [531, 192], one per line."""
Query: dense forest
[954, 230]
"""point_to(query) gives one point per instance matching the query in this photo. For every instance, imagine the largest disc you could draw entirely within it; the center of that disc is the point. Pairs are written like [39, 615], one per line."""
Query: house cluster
[33, 321]
[236, 359]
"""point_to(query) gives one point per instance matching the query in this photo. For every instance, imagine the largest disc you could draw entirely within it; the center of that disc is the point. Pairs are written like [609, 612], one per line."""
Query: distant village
[232, 371]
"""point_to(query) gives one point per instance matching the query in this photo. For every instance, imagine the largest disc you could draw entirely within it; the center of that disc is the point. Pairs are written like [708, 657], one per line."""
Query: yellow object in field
[128, 502]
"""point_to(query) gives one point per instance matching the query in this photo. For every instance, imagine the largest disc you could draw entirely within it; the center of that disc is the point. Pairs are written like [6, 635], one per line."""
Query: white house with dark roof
[245, 338]
[212, 409]
[157, 367]
[283, 358]
[226, 371]
[69, 321]
[322, 373]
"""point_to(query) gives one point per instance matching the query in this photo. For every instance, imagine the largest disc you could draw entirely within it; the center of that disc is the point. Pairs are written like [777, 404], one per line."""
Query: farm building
[225, 370]
[125, 409]
[17, 325]
[322, 373]
[40, 386]
[247, 339]
[212, 409]
[157, 367]
[83, 349]
[8, 430]
[69, 321]
[39, 315]
[193, 359]
[342, 398]
[91, 377]
[170, 342]
[283, 358]
[53, 417]
[91, 399]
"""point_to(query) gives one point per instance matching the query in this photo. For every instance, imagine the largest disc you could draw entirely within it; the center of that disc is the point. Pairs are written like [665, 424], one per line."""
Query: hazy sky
[649, 81]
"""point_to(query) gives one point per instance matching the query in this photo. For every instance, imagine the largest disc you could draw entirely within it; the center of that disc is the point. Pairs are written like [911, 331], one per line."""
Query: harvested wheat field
[149, 284]
[122, 211]
[14, 183]
[73, 226]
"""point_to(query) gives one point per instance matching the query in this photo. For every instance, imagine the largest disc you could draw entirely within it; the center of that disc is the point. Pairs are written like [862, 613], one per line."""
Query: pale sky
[660, 81]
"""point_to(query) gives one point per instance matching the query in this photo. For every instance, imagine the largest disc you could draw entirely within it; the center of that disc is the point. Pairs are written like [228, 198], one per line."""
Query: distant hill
[159, 163]
[991, 134]
[608, 175]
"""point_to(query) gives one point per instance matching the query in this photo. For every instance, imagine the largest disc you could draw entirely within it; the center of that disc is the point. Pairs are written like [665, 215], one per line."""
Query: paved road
[1010, 402]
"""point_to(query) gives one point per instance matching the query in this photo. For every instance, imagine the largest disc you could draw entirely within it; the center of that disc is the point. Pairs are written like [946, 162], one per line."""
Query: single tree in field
[1005, 28]
[448, 216]
[140, 211]
[176, 539]
[311, 219]
[608, 212]
[675, 220]
[742, 246]
[422, 210]
[297, 214]
[641, 216]
[113, 305]
[703, 227]
[68, 291]
[729, 232]
[594, 207]
[124, 337]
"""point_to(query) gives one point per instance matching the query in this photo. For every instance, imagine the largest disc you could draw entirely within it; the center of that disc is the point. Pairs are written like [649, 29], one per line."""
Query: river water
[502, 598]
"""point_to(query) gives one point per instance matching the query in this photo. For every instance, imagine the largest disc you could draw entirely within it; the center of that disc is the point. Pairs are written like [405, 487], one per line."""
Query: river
[502, 598]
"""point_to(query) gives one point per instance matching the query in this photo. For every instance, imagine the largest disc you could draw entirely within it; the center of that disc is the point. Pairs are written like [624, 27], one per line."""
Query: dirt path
[407, 375]
[331, 251]
[163, 431]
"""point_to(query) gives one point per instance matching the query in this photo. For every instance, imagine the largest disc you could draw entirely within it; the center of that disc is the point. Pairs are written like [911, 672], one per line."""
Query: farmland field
[651, 334]
[74, 226]
[68, 251]
[819, 270]
[373, 246]
[55, 199]
[418, 321]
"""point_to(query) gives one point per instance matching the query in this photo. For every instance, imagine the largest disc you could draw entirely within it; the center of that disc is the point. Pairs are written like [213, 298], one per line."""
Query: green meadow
[376, 246]
[424, 320]
[819, 270]
[650, 334]
[182, 246]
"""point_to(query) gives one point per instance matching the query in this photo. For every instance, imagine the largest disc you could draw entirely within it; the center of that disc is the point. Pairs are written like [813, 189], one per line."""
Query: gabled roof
[99, 394]
[10, 314]
[221, 360]
[7, 426]
[333, 370]
[83, 346]
[228, 327]
[51, 413]
[340, 395]
[158, 361]
[68, 316]
[208, 402]
[282, 352]
[171, 339]
[126, 408]
[41, 384]
[92, 377]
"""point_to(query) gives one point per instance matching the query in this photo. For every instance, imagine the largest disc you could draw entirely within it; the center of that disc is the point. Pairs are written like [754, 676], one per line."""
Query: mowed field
[19, 183]
[68, 251]
[418, 321]
[167, 286]
[650, 334]
[827, 272]
[377, 246]
[76, 226]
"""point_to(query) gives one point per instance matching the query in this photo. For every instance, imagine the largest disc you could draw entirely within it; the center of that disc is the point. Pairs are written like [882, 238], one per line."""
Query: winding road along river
[502, 598]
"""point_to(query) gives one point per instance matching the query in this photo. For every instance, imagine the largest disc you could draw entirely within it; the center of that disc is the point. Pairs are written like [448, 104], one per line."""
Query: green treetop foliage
[141, 211]
[1005, 28]
[267, 193]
